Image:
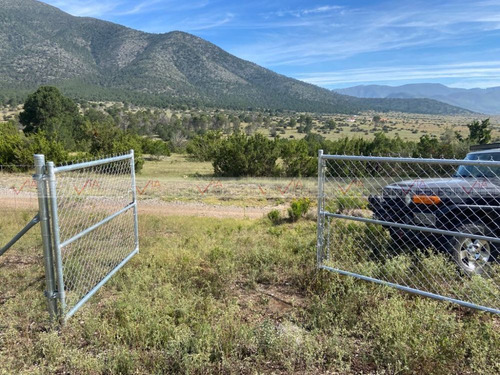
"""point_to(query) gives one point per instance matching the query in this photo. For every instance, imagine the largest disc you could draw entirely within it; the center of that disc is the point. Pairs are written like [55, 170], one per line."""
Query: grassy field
[232, 296]
[178, 178]
[405, 125]
[177, 165]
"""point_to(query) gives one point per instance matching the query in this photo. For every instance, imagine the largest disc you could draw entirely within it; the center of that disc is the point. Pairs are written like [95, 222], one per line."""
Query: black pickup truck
[468, 202]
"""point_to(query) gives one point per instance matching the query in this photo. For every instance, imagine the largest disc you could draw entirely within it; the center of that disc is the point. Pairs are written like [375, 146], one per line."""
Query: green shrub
[155, 148]
[204, 147]
[417, 338]
[298, 208]
[274, 216]
[346, 202]
[241, 155]
[16, 148]
[57, 116]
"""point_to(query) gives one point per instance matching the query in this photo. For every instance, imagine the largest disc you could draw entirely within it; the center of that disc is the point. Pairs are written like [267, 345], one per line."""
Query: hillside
[477, 100]
[94, 59]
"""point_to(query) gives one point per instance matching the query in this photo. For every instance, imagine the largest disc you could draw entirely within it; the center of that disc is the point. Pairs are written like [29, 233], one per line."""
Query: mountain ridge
[91, 58]
[479, 100]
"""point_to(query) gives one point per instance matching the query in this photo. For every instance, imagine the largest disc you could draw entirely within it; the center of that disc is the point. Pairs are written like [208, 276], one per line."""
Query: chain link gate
[425, 226]
[88, 217]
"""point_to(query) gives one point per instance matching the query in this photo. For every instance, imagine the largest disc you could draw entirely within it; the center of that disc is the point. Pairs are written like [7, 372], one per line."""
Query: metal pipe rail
[411, 290]
[384, 159]
[75, 308]
[21, 233]
[411, 227]
[93, 163]
[97, 225]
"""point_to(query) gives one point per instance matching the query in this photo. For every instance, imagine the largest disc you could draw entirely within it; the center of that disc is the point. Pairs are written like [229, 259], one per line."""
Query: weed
[298, 208]
[274, 216]
[343, 203]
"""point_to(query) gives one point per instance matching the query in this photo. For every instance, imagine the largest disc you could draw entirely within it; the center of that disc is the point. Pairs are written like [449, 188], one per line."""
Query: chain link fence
[88, 217]
[94, 225]
[427, 226]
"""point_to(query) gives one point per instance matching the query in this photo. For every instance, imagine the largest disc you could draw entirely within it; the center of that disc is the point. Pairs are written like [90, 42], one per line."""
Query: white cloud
[304, 50]
[322, 9]
[322, 34]
[310, 11]
[141, 7]
[473, 83]
[205, 23]
[99, 8]
[86, 8]
[471, 74]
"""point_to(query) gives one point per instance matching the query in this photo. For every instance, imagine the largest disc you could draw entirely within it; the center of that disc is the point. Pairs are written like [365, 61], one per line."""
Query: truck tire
[472, 256]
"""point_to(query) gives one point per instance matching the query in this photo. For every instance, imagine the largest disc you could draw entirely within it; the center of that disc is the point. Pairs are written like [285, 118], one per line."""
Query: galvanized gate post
[134, 197]
[319, 244]
[56, 237]
[43, 212]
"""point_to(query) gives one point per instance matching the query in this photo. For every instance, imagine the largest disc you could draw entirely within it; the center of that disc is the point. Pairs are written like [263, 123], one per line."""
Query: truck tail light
[426, 199]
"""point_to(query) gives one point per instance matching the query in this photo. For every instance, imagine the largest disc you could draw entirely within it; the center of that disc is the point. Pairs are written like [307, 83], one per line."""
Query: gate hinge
[53, 295]
[40, 177]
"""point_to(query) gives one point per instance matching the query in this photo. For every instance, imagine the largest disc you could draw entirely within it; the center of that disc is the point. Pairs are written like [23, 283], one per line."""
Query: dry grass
[9, 113]
[177, 165]
[233, 296]
[407, 126]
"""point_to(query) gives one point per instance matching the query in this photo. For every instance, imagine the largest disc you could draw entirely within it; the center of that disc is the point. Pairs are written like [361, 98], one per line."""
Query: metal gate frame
[323, 214]
[45, 177]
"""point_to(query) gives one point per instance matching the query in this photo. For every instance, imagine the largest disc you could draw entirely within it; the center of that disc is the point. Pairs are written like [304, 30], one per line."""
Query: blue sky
[332, 43]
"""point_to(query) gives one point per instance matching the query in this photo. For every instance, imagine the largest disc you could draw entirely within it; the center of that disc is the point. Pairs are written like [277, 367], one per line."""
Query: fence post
[61, 295]
[43, 212]
[134, 197]
[319, 244]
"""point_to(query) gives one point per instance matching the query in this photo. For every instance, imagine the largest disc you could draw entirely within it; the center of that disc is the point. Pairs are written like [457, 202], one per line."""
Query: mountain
[93, 59]
[476, 100]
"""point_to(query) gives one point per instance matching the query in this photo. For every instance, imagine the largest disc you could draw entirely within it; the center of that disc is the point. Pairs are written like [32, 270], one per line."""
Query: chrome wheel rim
[474, 254]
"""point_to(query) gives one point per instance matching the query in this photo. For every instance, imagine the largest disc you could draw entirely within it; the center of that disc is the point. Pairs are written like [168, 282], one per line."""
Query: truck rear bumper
[399, 212]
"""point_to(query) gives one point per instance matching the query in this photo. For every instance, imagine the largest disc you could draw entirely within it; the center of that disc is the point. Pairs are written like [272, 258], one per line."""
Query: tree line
[61, 129]
[53, 124]
[240, 154]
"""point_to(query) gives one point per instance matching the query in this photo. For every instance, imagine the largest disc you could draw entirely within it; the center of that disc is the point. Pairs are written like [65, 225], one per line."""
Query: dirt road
[157, 207]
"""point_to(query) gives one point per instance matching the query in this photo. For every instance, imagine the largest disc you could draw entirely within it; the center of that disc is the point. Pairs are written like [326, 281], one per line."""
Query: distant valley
[485, 101]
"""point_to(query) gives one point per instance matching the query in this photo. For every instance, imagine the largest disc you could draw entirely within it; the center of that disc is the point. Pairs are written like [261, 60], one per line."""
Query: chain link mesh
[429, 226]
[85, 197]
